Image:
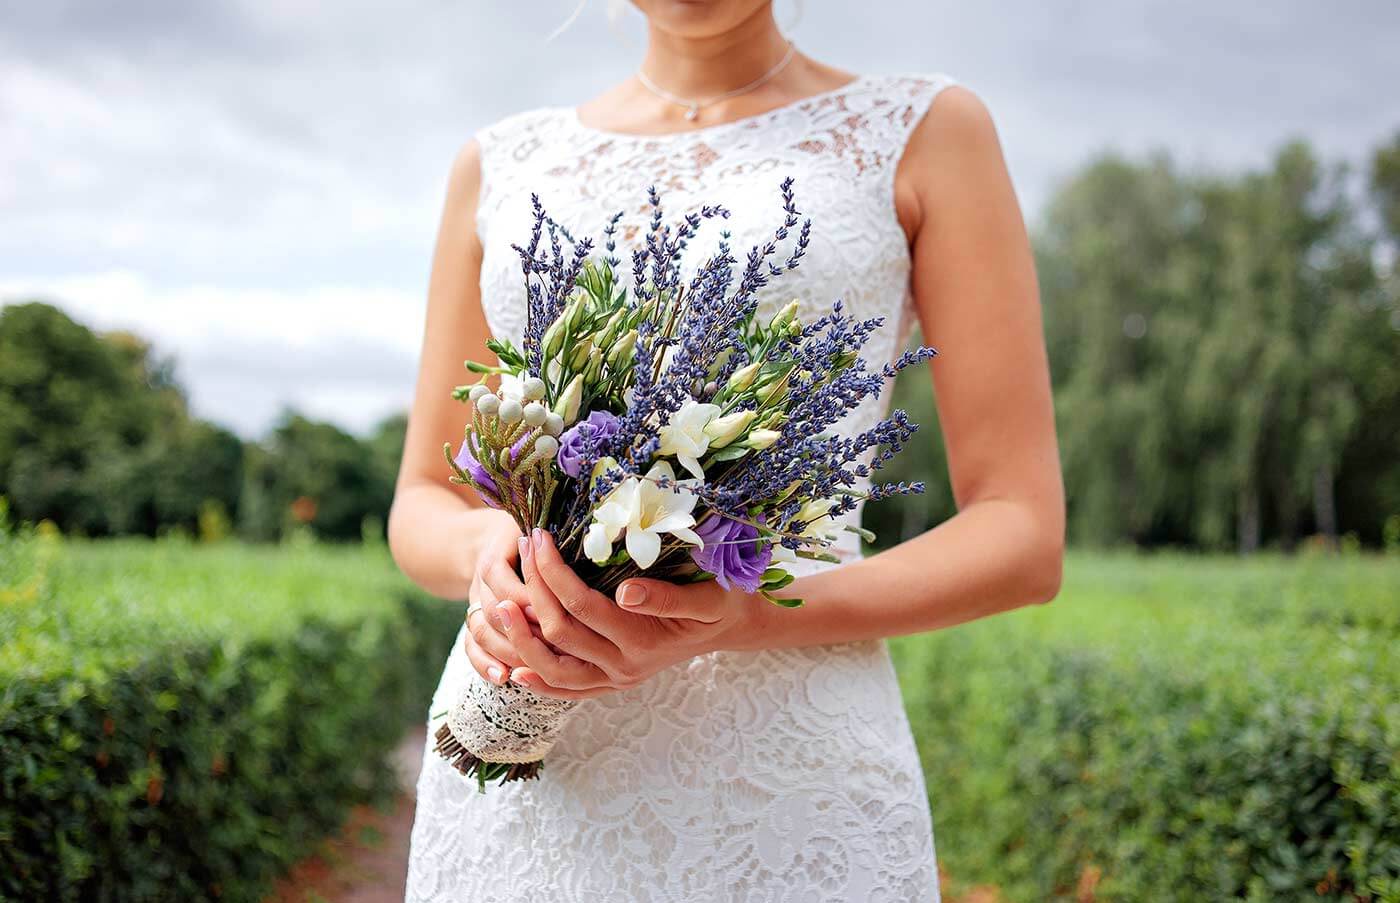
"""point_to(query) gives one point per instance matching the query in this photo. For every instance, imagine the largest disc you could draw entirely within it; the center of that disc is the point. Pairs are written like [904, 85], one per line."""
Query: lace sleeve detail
[910, 97]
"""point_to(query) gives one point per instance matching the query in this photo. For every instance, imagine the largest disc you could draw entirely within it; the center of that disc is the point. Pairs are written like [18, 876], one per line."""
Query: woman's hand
[572, 642]
[487, 647]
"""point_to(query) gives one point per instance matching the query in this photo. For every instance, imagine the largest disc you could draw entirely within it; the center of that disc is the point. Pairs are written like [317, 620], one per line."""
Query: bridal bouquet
[663, 428]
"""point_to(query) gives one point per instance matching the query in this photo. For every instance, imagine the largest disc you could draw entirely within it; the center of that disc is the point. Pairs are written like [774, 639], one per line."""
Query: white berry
[547, 445]
[510, 411]
[536, 414]
[534, 388]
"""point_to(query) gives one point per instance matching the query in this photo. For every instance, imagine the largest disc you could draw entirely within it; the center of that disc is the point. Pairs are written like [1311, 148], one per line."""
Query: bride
[726, 748]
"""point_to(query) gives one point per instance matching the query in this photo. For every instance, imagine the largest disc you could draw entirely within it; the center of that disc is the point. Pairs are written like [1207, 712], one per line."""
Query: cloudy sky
[254, 184]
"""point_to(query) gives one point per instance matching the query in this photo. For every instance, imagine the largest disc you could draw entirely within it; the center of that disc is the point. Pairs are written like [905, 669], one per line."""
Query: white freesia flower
[640, 511]
[685, 436]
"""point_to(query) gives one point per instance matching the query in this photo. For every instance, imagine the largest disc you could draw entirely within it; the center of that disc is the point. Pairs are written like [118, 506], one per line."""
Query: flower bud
[621, 352]
[743, 377]
[761, 439]
[510, 411]
[724, 430]
[615, 325]
[477, 391]
[573, 313]
[580, 356]
[534, 388]
[773, 389]
[553, 424]
[488, 404]
[594, 370]
[566, 406]
[783, 319]
[536, 414]
[553, 339]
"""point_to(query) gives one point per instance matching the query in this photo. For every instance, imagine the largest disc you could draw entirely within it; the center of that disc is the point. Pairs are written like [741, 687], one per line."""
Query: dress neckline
[573, 116]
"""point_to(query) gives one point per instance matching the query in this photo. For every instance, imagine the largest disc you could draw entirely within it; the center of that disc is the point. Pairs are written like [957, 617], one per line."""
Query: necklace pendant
[692, 112]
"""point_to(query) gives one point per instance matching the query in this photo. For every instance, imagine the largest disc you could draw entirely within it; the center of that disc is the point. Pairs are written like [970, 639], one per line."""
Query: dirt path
[368, 861]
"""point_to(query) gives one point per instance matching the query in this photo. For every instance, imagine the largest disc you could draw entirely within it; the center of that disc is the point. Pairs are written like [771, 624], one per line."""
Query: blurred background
[216, 231]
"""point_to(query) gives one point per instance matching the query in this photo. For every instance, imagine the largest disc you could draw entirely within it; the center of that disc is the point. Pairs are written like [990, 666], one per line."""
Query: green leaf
[785, 603]
[779, 579]
[729, 453]
[867, 535]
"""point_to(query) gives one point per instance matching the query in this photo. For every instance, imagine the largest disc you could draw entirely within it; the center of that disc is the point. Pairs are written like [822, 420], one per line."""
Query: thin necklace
[692, 107]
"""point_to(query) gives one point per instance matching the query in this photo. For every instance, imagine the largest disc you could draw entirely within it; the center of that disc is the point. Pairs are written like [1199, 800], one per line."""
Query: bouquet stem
[465, 761]
[500, 732]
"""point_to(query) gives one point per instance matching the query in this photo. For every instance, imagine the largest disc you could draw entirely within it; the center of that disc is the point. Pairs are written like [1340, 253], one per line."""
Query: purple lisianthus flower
[573, 445]
[466, 459]
[732, 553]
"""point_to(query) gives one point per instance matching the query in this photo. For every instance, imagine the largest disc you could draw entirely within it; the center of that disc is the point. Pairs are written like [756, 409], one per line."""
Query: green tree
[312, 473]
[77, 414]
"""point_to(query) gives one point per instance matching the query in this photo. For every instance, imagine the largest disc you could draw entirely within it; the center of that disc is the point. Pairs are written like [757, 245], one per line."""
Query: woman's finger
[556, 625]
[562, 671]
[530, 679]
[490, 641]
[490, 667]
[498, 572]
[695, 601]
[589, 607]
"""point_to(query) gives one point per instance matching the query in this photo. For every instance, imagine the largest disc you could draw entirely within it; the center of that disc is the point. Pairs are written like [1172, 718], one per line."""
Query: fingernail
[523, 545]
[520, 679]
[632, 595]
[495, 673]
[505, 616]
[530, 611]
[538, 536]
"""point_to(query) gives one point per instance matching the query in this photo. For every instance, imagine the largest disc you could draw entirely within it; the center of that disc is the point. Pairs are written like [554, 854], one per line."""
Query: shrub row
[1171, 728]
[181, 723]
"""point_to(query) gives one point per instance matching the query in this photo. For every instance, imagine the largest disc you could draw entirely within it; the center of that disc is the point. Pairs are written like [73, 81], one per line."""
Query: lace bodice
[777, 775]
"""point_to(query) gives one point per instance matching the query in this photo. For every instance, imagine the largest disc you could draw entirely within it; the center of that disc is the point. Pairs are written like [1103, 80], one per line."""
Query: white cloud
[343, 353]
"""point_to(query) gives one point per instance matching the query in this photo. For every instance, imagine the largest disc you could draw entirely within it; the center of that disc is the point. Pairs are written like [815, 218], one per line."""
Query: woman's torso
[776, 775]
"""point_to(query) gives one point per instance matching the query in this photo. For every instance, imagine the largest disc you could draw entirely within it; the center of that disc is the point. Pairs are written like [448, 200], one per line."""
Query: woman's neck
[705, 67]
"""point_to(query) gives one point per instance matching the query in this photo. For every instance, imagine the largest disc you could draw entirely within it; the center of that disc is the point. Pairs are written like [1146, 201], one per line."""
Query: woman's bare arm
[978, 302]
[437, 530]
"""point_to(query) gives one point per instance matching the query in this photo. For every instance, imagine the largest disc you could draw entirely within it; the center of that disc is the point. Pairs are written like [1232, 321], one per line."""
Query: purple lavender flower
[582, 440]
[466, 460]
[732, 553]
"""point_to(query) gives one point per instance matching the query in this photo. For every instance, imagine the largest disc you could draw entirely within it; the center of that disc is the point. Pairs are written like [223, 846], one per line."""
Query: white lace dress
[784, 775]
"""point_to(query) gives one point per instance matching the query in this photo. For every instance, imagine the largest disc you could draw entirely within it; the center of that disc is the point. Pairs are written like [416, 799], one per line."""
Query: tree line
[96, 435]
[1225, 351]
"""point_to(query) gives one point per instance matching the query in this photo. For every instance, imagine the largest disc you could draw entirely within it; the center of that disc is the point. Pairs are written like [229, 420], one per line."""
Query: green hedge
[1171, 728]
[181, 722]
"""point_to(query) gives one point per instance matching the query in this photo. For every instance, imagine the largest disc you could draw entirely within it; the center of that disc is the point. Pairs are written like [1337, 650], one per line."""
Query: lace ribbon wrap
[500, 725]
